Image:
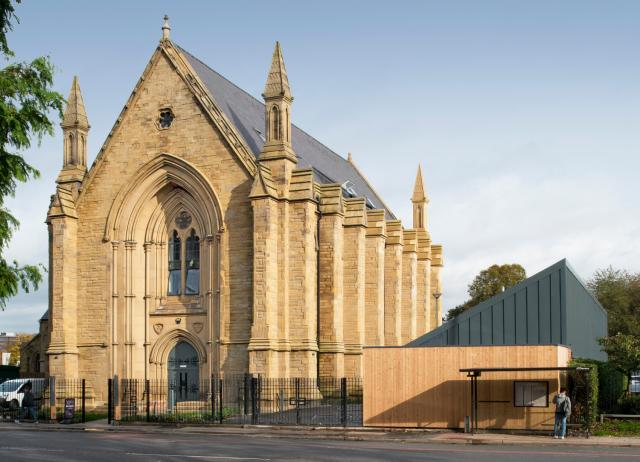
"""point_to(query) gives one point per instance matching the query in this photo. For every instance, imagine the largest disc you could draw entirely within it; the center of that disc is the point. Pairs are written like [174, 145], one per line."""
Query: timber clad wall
[422, 387]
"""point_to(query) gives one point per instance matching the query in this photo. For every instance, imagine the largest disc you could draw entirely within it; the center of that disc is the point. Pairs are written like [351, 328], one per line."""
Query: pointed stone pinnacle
[419, 193]
[277, 81]
[75, 114]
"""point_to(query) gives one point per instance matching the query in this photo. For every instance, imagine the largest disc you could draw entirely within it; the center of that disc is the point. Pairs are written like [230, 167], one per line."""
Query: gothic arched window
[275, 123]
[287, 125]
[71, 159]
[83, 149]
[175, 265]
[192, 283]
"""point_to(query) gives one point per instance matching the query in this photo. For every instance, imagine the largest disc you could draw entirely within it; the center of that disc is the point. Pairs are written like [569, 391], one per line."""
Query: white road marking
[15, 448]
[193, 457]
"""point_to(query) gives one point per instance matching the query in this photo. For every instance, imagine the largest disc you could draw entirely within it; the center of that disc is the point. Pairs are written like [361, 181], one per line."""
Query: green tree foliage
[26, 100]
[493, 280]
[14, 349]
[618, 291]
[490, 282]
[453, 312]
[624, 353]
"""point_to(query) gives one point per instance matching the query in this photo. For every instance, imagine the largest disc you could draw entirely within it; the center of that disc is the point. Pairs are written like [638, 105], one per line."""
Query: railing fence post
[220, 391]
[254, 401]
[52, 398]
[297, 388]
[247, 393]
[109, 401]
[147, 386]
[343, 396]
[588, 407]
[213, 398]
[116, 398]
[84, 401]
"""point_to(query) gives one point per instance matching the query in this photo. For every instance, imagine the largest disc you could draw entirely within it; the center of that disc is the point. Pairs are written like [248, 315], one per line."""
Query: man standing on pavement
[563, 410]
[28, 407]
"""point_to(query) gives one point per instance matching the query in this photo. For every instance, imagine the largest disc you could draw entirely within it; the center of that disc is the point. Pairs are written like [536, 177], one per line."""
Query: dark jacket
[28, 400]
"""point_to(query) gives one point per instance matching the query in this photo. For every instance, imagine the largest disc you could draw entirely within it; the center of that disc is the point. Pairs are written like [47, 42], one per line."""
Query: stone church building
[211, 228]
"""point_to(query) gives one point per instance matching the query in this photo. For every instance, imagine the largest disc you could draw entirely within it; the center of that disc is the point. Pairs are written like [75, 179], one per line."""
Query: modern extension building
[551, 307]
[500, 362]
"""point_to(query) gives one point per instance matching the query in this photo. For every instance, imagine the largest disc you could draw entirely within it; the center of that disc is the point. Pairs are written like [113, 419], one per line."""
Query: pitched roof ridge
[583, 283]
[218, 73]
[294, 126]
[258, 101]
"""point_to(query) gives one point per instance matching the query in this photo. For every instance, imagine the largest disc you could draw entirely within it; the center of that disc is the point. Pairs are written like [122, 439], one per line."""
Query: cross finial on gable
[165, 28]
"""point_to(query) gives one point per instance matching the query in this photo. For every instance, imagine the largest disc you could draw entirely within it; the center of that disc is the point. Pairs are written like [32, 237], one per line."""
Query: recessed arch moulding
[167, 196]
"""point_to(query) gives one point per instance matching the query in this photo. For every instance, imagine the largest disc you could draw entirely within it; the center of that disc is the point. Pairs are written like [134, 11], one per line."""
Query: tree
[490, 282]
[15, 347]
[26, 100]
[618, 291]
[624, 353]
[493, 280]
[453, 312]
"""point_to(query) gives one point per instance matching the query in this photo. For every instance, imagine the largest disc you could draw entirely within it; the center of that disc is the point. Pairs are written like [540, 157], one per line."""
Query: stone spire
[420, 201]
[277, 111]
[75, 114]
[165, 28]
[277, 82]
[75, 128]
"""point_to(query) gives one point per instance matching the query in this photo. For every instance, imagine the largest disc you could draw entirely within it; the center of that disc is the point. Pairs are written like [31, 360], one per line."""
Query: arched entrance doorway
[183, 373]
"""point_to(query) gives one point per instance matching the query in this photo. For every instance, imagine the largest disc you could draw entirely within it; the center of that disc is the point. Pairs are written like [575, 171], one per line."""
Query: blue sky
[524, 115]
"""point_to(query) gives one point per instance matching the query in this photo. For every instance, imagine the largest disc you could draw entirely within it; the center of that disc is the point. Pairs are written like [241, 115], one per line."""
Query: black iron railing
[54, 399]
[240, 400]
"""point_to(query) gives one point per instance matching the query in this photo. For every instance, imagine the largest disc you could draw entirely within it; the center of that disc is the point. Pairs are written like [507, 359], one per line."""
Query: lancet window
[275, 121]
[175, 265]
[192, 285]
[184, 259]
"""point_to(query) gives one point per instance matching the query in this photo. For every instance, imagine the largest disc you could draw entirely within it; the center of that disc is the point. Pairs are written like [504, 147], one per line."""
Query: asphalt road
[25, 445]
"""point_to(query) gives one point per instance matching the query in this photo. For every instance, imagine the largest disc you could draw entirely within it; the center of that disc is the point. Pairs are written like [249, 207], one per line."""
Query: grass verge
[617, 428]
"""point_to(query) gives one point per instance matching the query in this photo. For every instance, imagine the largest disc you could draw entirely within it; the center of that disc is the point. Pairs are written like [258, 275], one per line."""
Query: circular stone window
[166, 118]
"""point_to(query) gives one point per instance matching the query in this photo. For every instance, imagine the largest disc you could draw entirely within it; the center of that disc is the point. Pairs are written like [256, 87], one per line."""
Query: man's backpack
[565, 407]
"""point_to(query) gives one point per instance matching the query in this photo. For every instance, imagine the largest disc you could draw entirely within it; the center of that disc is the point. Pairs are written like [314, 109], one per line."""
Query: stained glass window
[175, 265]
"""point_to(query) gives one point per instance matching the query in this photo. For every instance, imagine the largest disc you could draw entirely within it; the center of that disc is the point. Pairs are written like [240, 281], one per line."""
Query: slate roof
[247, 114]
